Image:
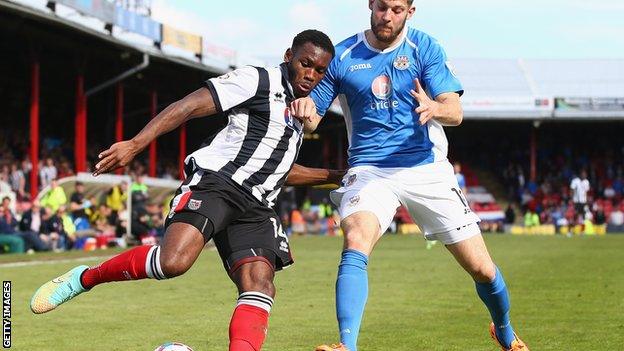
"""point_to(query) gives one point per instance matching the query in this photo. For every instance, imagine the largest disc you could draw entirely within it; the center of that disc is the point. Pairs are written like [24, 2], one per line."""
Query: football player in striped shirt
[231, 183]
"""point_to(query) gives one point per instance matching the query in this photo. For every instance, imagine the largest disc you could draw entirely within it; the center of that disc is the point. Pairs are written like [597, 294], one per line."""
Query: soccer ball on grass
[173, 346]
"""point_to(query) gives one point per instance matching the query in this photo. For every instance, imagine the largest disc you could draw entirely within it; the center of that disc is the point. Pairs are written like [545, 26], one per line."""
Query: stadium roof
[42, 15]
[494, 88]
[542, 88]
[572, 78]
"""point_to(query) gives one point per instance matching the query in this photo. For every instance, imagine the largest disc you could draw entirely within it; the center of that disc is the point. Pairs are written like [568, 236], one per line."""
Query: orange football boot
[516, 345]
[332, 347]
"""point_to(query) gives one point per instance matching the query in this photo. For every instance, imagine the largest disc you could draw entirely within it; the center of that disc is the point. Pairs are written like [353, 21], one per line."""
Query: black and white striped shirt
[261, 141]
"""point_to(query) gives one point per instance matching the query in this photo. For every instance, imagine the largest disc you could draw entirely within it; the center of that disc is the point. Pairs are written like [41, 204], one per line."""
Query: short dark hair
[6, 198]
[314, 37]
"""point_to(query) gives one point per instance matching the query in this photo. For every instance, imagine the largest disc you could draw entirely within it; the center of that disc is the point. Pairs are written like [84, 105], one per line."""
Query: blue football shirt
[373, 87]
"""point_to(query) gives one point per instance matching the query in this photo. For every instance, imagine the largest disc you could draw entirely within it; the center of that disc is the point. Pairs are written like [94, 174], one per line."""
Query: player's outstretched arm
[446, 108]
[196, 104]
[300, 175]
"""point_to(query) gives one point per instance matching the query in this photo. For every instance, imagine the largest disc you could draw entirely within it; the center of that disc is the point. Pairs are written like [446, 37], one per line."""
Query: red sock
[248, 328]
[128, 265]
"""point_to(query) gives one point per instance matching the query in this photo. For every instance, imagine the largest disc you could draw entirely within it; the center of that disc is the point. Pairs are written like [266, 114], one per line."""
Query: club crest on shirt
[290, 121]
[401, 62]
[287, 117]
[194, 204]
[354, 200]
[350, 180]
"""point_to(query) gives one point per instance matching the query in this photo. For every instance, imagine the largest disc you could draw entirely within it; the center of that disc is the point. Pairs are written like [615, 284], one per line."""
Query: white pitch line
[38, 262]
[78, 259]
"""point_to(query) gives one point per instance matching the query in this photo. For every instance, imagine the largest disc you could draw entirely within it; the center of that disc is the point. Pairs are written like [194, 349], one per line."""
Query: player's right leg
[181, 246]
[367, 206]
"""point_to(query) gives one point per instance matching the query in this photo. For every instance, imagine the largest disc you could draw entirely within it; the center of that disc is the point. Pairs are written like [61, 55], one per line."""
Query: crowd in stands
[571, 189]
[58, 222]
[62, 221]
[54, 163]
[574, 200]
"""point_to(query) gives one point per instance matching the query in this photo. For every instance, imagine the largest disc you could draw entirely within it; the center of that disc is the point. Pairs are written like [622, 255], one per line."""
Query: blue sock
[351, 295]
[494, 295]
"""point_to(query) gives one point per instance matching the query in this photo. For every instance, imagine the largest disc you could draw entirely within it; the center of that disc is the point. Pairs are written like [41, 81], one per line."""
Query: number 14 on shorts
[463, 200]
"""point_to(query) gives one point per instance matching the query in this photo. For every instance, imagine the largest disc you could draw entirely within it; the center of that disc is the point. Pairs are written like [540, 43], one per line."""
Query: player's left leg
[473, 256]
[250, 320]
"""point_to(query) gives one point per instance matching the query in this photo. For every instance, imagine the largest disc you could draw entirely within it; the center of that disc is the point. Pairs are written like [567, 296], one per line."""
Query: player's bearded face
[386, 24]
[384, 32]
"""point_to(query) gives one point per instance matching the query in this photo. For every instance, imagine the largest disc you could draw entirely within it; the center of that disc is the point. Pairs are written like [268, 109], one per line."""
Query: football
[173, 346]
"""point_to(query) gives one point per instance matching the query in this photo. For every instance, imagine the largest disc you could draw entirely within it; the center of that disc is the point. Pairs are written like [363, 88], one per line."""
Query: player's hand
[303, 109]
[427, 108]
[336, 175]
[118, 155]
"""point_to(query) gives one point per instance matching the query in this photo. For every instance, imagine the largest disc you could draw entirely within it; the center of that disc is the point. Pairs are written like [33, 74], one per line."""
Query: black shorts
[579, 207]
[245, 230]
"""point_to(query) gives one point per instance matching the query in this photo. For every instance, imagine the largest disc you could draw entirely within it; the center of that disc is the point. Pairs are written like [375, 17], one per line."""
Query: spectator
[609, 192]
[510, 215]
[9, 224]
[65, 169]
[588, 221]
[531, 219]
[79, 206]
[461, 180]
[580, 187]
[156, 220]
[117, 196]
[48, 172]
[33, 218]
[616, 221]
[5, 187]
[600, 217]
[298, 222]
[122, 221]
[26, 168]
[52, 230]
[105, 219]
[18, 182]
[140, 220]
[138, 189]
[55, 197]
[8, 236]
[557, 217]
[68, 227]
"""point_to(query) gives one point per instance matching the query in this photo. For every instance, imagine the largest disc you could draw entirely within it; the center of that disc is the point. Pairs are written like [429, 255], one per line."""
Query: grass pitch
[566, 294]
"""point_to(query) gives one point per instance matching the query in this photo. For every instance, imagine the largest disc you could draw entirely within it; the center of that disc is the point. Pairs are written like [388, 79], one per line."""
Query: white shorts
[430, 193]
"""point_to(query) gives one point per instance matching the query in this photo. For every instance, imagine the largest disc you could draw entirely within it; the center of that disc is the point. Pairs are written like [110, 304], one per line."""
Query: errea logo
[360, 66]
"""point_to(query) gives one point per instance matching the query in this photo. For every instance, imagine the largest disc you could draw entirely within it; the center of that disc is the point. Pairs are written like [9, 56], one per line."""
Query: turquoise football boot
[58, 291]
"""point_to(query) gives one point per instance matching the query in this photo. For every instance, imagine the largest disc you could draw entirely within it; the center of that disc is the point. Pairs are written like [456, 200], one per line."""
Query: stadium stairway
[491, 182]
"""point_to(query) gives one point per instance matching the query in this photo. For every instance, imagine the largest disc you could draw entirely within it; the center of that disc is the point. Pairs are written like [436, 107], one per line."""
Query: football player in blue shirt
[397, 91]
